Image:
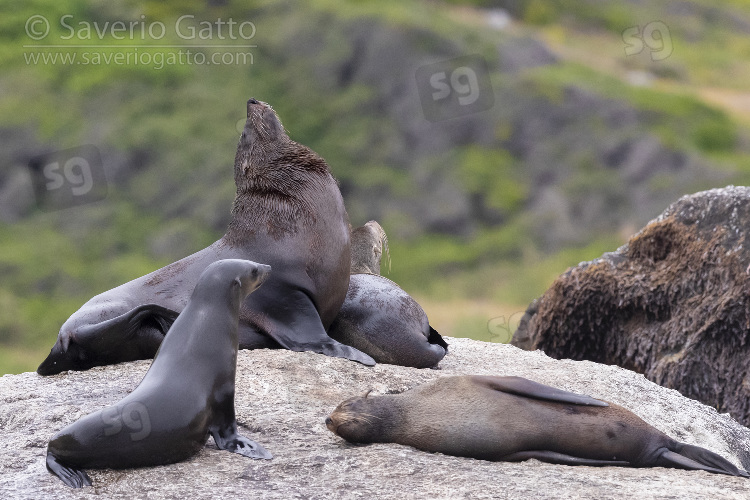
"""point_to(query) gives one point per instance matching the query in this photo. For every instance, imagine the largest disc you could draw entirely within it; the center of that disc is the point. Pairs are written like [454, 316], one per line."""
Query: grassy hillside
[581, 146]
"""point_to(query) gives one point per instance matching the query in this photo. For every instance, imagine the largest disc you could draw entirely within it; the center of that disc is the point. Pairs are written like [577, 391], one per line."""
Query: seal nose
[251, 101]
[329, 422]
[265, 272]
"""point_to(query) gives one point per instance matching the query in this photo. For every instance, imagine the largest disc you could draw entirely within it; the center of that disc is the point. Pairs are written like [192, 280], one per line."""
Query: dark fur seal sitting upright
[514, 419]
[187, 393]
[378, 317]
[288, 212]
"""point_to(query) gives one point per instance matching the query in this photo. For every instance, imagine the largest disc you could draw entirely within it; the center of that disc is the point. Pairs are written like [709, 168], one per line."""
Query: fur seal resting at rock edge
[378, 317]
[288, 213]
[514, 419]
[187, 393]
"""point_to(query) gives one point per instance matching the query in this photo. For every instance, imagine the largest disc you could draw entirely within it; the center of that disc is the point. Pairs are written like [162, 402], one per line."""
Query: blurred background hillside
[585, 119]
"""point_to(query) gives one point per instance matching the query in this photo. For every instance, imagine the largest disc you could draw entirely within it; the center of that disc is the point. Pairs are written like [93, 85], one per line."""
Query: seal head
[369, 243]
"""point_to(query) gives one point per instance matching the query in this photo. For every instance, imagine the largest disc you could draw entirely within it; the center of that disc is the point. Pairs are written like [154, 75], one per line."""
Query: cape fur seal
[514, 419]
[288, 213]
[378, 317]
[187, 393]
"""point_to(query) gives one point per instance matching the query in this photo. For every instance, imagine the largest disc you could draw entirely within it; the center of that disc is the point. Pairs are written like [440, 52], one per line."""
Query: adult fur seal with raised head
[378, 317]
[288, 213]
[187, 393]
[514, 419]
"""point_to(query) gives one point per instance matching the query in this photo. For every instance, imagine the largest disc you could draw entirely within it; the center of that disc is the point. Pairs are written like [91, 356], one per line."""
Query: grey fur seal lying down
[288, 212]
[378, 317]
[187, 393]
[515, 419]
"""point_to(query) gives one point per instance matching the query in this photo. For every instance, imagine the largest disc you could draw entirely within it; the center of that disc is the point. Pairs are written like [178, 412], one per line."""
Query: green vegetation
[341, 76]
[681, 120]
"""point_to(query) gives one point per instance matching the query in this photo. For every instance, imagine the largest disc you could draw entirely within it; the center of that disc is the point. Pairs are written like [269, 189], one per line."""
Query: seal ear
[238, 282]
[367, 394]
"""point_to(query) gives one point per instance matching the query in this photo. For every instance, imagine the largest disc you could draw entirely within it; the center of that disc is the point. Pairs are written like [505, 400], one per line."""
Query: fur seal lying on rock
[288, 213]
[187, 393]
[515, 419]
[378, 317]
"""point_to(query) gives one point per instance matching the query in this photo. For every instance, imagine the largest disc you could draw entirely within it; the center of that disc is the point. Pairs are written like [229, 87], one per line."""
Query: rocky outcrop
[673, 303]
[283, 398]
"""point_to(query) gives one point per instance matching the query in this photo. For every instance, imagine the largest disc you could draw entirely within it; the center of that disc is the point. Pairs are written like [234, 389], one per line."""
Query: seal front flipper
[552, 457]
[135, 334]
[227, 438]
[687, 456]
[524, 387]
[75, 478]
[224, 429]
[296, 326]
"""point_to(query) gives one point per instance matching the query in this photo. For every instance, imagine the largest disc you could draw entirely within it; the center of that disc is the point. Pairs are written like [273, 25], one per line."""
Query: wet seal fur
[378, 317]
[514, 419]
[187, 393]
[288, 213]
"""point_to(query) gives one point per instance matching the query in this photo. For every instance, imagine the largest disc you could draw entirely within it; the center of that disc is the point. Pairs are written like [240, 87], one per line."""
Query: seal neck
[386, 417]
[277, 192]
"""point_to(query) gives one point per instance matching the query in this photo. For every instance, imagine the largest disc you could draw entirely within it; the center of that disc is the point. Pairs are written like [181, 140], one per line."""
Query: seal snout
[263, 272]
[250, 102]
[331, 425]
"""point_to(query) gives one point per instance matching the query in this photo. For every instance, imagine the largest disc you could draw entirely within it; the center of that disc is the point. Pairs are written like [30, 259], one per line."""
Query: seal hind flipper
[686, 456]
[436, 338]
[135, 334]
[553, 457]
[75, 478]
[125, 326]
[524, 387]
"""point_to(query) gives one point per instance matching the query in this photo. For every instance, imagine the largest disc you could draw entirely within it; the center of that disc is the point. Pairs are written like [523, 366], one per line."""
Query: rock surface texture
[673, 303]
[282, 398]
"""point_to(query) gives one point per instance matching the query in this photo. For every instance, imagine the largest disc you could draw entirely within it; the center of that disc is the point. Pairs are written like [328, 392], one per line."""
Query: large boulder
[283, 398]
[673, 303]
